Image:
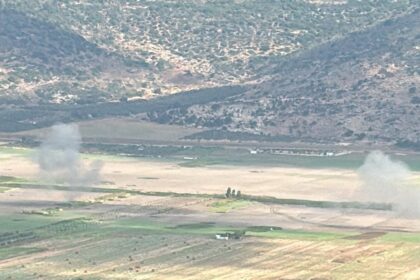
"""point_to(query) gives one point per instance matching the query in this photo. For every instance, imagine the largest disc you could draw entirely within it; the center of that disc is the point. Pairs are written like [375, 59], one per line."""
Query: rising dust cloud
[59, 158]
[387, 180]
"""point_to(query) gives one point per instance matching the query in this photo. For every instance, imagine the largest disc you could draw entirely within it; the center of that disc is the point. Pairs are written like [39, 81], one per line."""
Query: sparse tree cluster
[232, 193]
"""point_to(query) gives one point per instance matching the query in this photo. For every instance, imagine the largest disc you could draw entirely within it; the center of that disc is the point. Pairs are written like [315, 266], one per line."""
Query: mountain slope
[162, 47]
[44, 63]
[363, 87]
[325, 71]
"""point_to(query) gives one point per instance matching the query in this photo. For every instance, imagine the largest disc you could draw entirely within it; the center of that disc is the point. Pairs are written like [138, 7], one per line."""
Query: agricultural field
[134, 248]
[137, 138]
[122, 129]
[157, 218]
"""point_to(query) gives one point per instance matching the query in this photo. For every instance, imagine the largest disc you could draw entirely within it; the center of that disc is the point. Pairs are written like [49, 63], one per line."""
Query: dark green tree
[228, 192]
[238, 194]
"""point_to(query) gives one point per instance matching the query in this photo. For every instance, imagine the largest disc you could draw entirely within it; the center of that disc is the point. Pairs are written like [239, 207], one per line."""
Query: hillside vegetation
[330, 71]
[64, 51]
[362, 87]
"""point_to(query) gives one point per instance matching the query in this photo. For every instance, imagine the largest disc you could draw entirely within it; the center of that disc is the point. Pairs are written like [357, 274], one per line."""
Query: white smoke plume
[59, 158]
[387, 180]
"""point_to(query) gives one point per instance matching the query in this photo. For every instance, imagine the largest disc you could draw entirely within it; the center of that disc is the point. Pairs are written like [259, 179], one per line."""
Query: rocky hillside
[324, 71]
[89, 51]
[363, 87]
[41, 63]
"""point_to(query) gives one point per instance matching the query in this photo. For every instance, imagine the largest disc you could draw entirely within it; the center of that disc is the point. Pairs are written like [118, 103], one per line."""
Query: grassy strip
[15, 151]
[11, 180]
[262, 199]
[29, 221]
[11, 252]
[319, 203]
[298, 234]
[281, 201]
[227, 205]
[401, 237]
[62, 187]
[2, 189]
[212, 229]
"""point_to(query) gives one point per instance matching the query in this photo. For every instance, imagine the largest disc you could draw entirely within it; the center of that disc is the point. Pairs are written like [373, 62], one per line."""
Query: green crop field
[140, 248]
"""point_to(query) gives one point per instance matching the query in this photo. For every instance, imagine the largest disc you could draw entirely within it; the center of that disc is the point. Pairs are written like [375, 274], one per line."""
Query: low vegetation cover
[174, 46]
[306, 59]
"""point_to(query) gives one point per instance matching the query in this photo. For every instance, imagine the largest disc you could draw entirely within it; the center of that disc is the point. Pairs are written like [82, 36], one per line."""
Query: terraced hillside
[86, 51]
